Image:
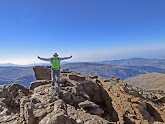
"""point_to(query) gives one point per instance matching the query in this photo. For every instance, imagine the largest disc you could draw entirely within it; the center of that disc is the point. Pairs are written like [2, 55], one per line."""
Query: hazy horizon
[65, 62]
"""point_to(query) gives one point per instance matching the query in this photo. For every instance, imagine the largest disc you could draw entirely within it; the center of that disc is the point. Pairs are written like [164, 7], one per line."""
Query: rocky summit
[80, 99]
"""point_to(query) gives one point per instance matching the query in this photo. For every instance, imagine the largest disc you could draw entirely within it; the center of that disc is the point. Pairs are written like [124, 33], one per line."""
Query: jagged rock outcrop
[81, 99]
[133, 104]
[91, 107]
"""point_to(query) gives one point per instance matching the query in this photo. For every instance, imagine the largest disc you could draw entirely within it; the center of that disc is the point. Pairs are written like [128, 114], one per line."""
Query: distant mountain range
[9, 64]
[108, 70]
[21, 75]
[25, 80]
[123, 69]
[150, 81]
[158, 63]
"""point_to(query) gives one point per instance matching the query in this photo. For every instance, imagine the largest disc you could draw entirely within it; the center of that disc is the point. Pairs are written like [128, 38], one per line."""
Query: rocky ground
[81, 99]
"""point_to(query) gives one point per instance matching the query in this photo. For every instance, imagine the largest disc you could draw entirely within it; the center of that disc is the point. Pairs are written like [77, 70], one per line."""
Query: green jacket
[55, 62]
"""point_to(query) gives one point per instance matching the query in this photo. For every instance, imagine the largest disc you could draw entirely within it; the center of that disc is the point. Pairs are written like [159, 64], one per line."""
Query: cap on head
[55, 54]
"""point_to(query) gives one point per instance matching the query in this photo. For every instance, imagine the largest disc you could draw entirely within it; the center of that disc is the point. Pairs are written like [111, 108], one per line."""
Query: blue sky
[89, 30]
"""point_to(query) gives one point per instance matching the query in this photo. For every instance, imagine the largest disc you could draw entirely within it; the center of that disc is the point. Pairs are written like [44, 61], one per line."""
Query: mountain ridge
[159, 63]
[150, 81]
[103, 62]
[108, 70]
[10, 74]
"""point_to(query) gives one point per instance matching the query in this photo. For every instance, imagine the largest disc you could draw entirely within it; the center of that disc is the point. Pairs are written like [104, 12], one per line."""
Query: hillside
[25, 80]
[151, 81]
[24, 75]
[81, 99]
[9, 75]
[158, 63]
[108, 70]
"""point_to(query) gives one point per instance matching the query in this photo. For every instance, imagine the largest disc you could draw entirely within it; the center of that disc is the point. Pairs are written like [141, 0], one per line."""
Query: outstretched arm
[65, 58]
[45, 59]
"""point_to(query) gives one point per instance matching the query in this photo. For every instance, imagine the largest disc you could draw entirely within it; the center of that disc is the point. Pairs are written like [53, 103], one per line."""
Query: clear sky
[89, 30]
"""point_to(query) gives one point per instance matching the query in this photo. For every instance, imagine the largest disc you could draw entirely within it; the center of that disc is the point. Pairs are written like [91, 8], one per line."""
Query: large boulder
[18, 88]
[82, 117]
[133, 104]
[91, 107]
[28, 113]
[38, 83]
[70, 98]
[76, 77]
[10, 97]
[58, 118]
[59, 115]
[42, 72]
[94, 92]
[45, 94]
[88, 104]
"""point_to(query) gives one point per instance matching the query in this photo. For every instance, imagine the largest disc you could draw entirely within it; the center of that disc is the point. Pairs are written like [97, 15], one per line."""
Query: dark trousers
[57, 74]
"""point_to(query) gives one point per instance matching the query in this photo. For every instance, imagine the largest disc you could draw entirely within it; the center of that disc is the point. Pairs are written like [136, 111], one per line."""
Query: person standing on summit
[55, 60]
